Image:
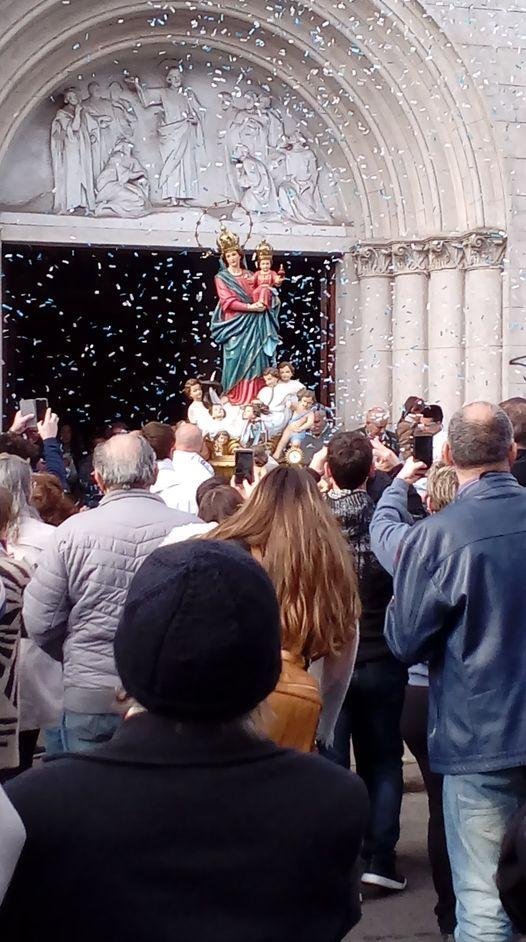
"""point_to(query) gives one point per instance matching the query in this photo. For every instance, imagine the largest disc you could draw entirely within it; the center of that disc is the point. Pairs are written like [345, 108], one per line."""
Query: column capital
[372, 259]
[409, 257]
[484, 249]
[444, 254]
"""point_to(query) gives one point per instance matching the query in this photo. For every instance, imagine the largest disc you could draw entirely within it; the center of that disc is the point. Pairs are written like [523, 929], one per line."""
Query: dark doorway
[111, 333]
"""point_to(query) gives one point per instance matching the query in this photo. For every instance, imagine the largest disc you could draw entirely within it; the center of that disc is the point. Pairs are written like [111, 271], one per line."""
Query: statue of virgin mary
[246, 329]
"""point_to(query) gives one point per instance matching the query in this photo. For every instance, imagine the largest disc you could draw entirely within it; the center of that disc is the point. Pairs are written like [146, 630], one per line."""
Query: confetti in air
[114, 333]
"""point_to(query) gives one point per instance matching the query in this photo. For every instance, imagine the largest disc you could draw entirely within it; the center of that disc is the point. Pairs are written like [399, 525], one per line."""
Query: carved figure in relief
[122, 187]
[73, 133]
[255, 183]
[180, 134]
[299, 194]
[273, 122]
[116, 119]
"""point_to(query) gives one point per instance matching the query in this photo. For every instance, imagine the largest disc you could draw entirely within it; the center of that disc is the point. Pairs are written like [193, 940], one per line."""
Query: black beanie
[199, 637]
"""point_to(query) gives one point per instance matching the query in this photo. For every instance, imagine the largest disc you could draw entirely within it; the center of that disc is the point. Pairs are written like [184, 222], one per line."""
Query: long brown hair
[288, 527]
[48, 497]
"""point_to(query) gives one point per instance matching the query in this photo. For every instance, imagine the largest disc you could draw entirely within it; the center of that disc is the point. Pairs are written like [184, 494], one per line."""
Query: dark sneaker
[384, 875]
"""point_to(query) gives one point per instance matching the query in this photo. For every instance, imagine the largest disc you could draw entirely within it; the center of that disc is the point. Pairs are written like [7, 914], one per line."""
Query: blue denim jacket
[459, 603]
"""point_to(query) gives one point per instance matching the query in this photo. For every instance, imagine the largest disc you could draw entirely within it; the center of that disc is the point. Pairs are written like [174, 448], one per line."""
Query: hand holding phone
[48, 426]
[32, 411]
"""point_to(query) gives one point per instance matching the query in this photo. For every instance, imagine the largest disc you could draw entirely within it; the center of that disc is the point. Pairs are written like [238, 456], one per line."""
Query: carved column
[444, 330]
[373, 263]
[483, 255]
[409, 322]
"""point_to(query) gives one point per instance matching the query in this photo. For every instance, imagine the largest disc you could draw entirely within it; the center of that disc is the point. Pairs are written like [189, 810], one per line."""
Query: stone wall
[490, 37]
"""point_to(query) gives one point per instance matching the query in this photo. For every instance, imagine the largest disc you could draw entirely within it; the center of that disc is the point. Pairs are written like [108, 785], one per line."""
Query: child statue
[265, 279]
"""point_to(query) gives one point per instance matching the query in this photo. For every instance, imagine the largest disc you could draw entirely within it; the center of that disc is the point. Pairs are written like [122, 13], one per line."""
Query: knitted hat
[199, 637]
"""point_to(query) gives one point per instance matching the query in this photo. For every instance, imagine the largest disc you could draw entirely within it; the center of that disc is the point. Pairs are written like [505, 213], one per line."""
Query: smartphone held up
[35, 407]
[244, 466]
[423, 448]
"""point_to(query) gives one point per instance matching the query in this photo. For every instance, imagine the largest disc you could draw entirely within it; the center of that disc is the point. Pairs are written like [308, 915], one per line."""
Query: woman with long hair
[286, 526]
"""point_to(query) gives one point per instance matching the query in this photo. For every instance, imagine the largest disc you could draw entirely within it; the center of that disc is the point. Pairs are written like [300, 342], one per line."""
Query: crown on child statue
[227, 240]
[264, 250]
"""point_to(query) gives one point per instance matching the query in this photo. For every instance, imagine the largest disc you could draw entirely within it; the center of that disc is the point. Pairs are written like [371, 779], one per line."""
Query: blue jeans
[81, 732]
[477, 809]
[370, 716]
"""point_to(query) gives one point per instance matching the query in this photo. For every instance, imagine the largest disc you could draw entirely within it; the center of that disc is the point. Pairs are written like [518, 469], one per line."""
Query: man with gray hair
[458, 604]
[74, 601]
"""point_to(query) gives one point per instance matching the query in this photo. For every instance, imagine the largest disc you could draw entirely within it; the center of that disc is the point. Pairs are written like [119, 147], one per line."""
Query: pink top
[266, 278]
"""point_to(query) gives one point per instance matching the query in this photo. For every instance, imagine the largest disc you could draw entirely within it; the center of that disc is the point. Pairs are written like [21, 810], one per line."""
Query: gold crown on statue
[227, 240]
[264, 250]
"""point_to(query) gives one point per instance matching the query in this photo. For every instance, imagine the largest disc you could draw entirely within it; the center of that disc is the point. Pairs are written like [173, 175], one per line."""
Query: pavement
[408, 915]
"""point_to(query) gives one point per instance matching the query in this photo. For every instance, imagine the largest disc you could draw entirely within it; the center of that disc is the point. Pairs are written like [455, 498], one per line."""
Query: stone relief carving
[372, 260]
[116, 119]
[180, 134]
[269, 168]
[258, 192]
[472, 250]
[122, 187]
[444, 253]
[484, 249]
[75, 133]
[299, 193]
[409, 257]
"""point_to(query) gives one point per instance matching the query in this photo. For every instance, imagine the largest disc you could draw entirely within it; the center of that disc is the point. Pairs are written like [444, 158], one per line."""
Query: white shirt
[166, 476]
[189, 470]
[33, 535]
[439, 441]
[187, 532]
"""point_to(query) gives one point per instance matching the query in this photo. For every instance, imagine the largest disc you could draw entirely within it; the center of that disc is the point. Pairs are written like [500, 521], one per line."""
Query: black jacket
[519, 467]
[354, 512]
[163, 835]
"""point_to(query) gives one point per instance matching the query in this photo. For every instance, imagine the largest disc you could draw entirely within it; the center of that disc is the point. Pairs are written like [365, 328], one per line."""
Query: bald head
[480, 436]
[124, 462]
[188, 438]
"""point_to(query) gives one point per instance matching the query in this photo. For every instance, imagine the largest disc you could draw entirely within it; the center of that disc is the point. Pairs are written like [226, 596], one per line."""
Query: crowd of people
[202, 659]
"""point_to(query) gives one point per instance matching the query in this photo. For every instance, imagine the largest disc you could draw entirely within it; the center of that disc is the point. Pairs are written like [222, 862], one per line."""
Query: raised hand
[21, 422]
[48, 428]
[412, 471]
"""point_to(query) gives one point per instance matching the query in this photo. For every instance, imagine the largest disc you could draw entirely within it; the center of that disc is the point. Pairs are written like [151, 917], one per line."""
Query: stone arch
[409, 128]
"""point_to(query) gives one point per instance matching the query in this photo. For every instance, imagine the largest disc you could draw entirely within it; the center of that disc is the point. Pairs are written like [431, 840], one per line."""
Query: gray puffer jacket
[73, 602]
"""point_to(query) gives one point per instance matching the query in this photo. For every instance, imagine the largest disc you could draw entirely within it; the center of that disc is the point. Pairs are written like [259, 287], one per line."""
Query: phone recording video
[35, 407]
[423, 449]
[244, 466]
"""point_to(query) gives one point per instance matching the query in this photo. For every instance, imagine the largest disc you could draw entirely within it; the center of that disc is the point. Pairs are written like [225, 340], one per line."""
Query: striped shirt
[14, 575]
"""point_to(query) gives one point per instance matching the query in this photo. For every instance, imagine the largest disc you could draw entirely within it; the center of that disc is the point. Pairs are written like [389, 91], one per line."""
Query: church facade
[390, 134]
